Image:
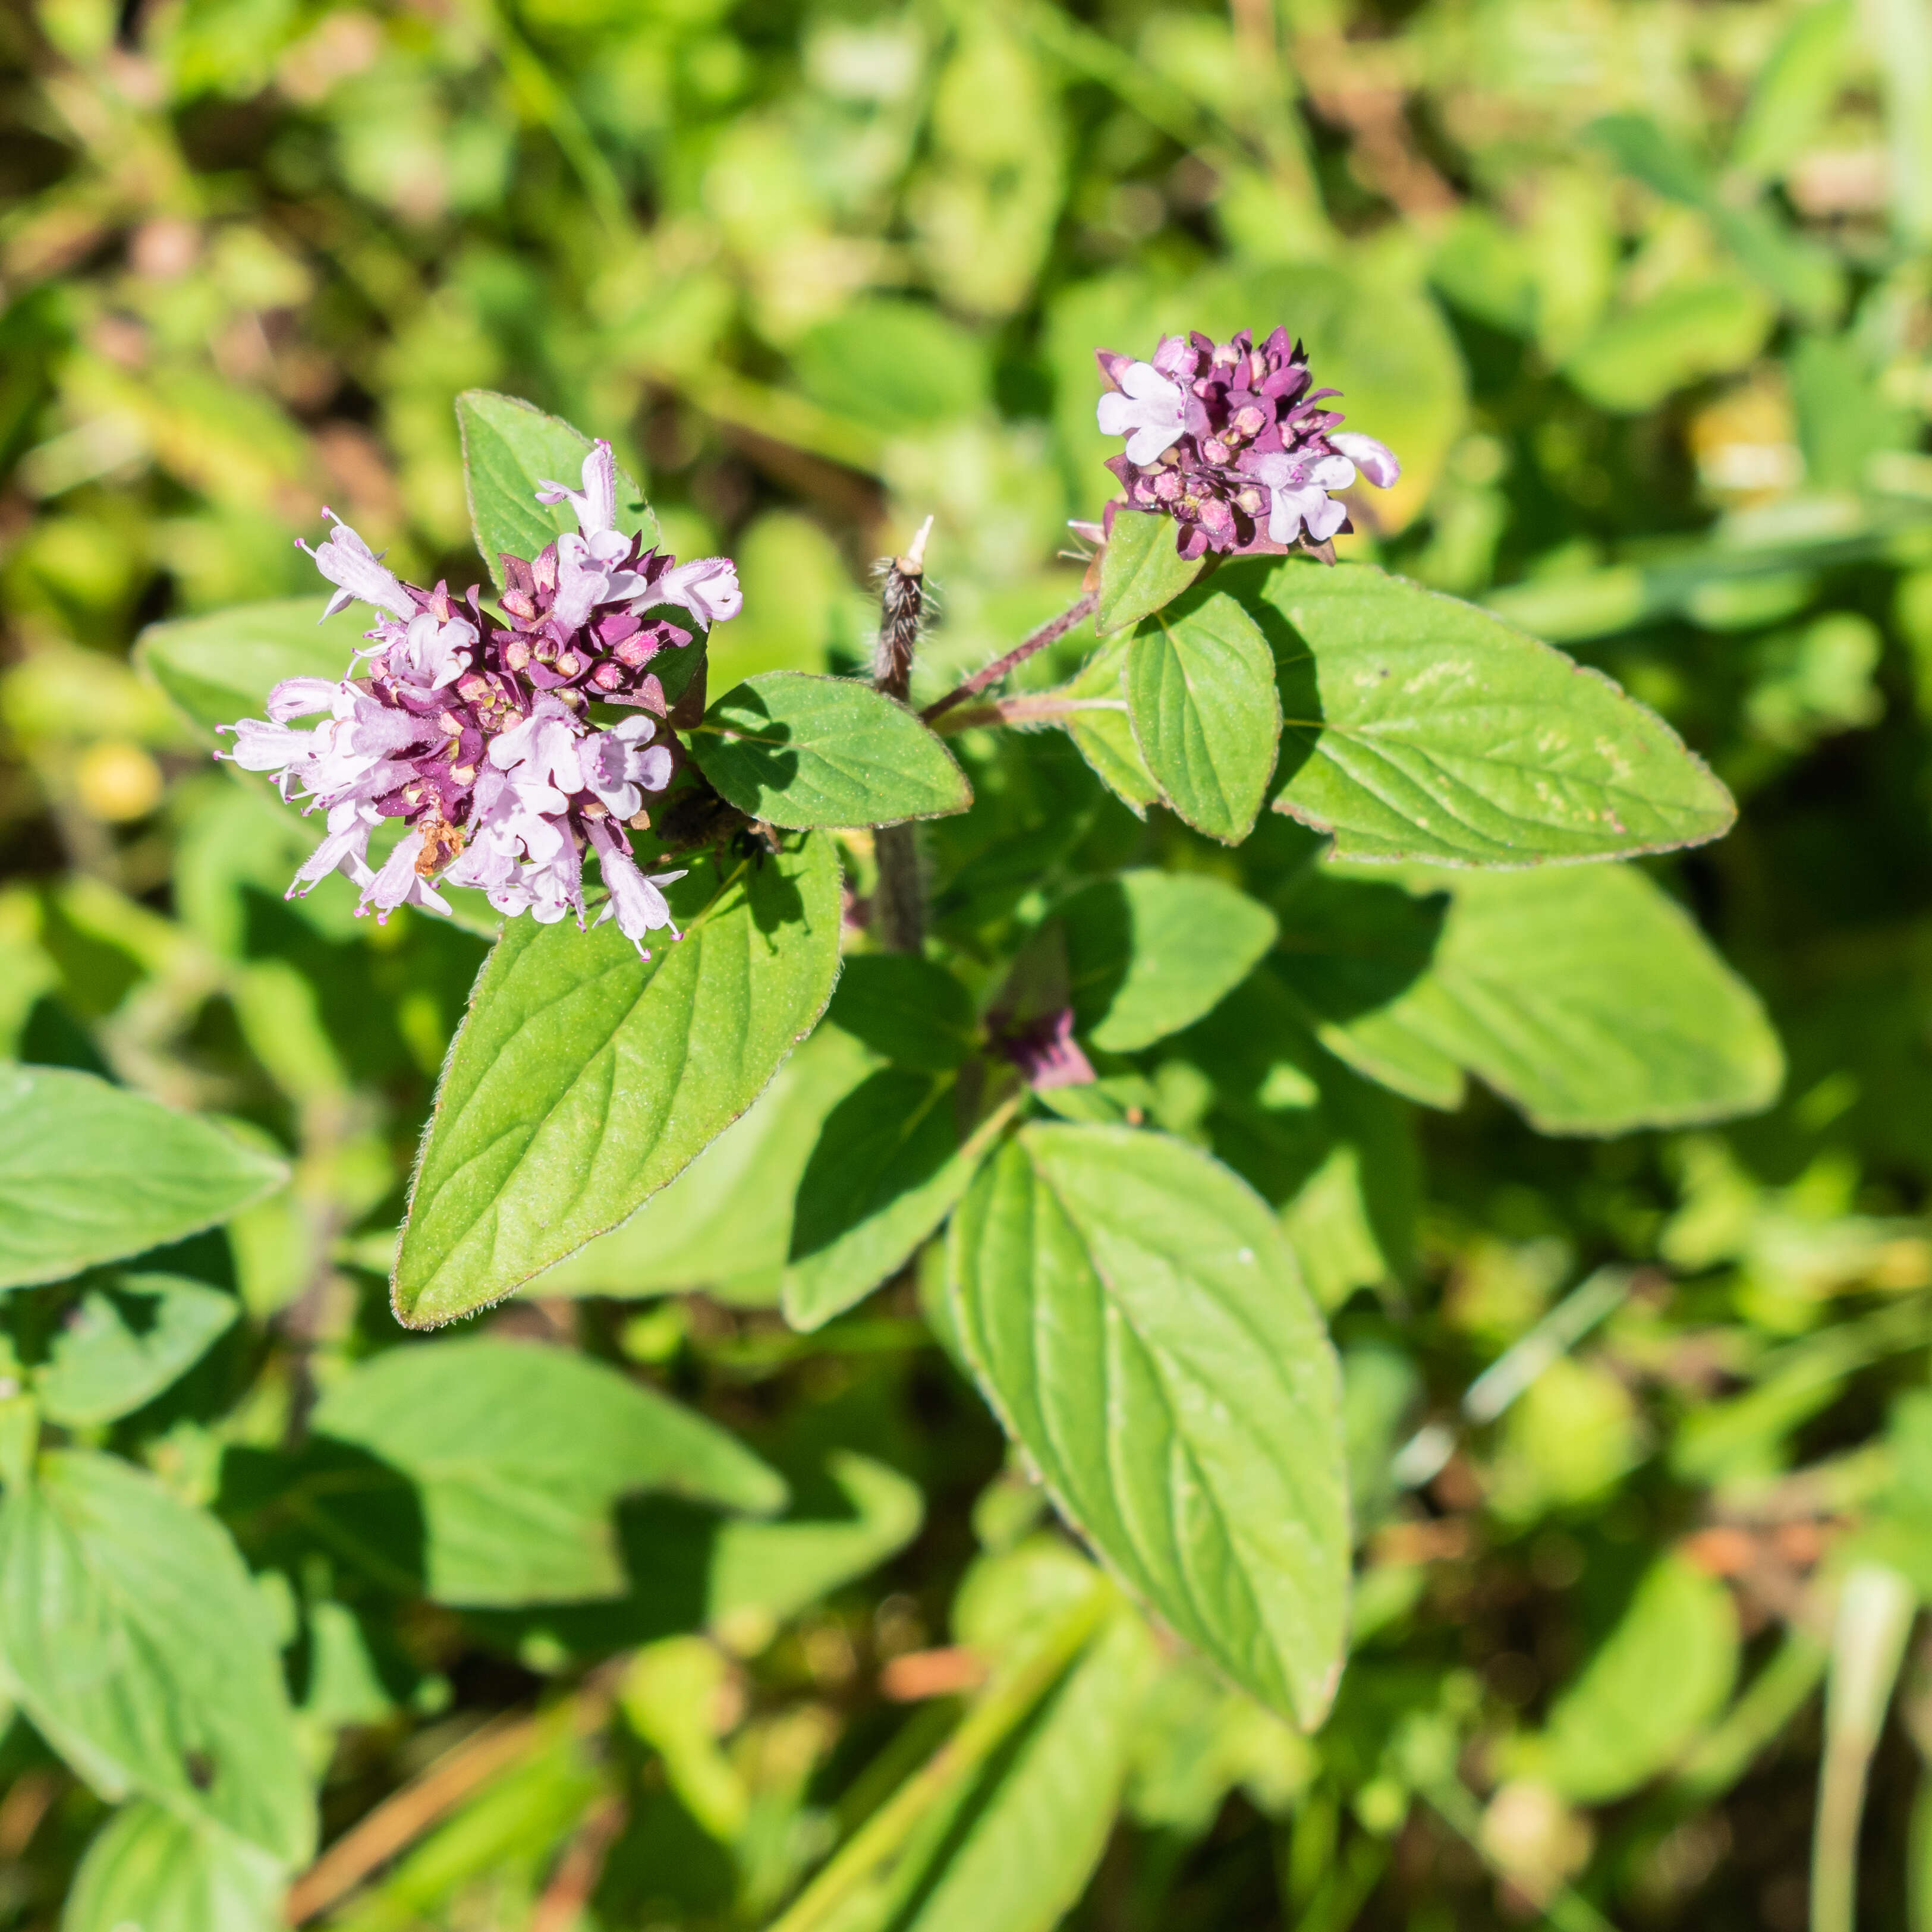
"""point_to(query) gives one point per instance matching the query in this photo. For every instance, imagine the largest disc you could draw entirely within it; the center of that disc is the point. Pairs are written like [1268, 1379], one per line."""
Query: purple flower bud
[1046, 1053]
[1232, 441]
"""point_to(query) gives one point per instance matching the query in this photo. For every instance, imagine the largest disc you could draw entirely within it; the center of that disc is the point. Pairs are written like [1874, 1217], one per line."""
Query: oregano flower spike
[475, 730]
[1235, 443]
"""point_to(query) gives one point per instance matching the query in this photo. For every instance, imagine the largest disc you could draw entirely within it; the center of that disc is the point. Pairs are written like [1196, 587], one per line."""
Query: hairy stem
[1049, 633]
[899, 900]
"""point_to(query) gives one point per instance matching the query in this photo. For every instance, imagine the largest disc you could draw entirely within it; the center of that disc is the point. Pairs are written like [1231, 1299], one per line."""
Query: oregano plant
[1134, 1312]
[1401, 822]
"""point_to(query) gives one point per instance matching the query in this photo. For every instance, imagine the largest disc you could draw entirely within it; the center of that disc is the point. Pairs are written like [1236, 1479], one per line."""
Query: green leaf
[772, 1570]
[129, 1339]
[147, 1869]
[1134, 1315]
[1661, 1675]
[1141, 571]
[519, 1454]
[132, 1635]
[1584, 995]
[220, 669]
[797, 750]
[909, 1012]
[1097, 722]
[724, 1224]
[1201, 694]
[1025, 1843]
[887, 1169]
[583, 1078]
[89, 1172]
[1708, 325]
[1334, 1153]
[1149, 952]
[1419, 727]
[509, 448]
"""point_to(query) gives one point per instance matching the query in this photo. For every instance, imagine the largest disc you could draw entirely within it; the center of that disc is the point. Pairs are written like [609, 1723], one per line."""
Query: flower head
[1233, 442]
[475, 729]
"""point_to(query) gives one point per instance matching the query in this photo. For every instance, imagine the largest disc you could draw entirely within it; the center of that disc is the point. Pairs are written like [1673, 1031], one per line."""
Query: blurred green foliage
[1641, 292]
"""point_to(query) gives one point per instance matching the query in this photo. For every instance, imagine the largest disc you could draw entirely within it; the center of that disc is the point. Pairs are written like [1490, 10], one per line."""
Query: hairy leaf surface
[1141, 570]
[798, 750]
[1134, 1315]
[1201, 694]
[1419, 727]
[510, 447]
[584, 1078]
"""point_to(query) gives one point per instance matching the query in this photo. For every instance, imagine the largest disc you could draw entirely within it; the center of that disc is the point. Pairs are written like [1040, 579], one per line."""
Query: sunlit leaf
[1583, 994]
[509, 447]
[129, 1338]
[584, 1078]
[797, 750]
[1419, 727]
[1133, 1313]
[1141, 571]
[1201, 693]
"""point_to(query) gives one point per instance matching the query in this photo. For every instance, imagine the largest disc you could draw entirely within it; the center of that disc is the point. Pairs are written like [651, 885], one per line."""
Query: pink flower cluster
[476, 730]
[1233, 443]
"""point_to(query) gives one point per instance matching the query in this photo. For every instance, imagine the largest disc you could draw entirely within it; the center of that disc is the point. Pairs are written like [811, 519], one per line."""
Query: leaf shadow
[890, 1134]
[1350, 946]
[1295, 678]
[757, 738]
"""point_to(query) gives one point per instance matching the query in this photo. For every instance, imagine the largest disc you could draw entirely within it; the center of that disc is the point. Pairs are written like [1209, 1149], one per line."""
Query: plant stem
[898, 900]
[1005, 1707]
[1048, 633]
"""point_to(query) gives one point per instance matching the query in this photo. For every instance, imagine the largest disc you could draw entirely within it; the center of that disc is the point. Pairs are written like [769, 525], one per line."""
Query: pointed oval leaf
[1149, 952]
[149, 1868]
[1201, 694]
[1584, 994]
[1133, 1314]
[510, 447]
[519, 1453]
[795, 749]
[132, 1634]
[131, 1335]
[1419, 727]
[583, 1079]
[1141, 571]
[89, 1172]
[221, 668]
